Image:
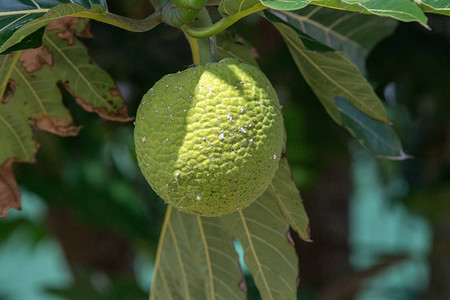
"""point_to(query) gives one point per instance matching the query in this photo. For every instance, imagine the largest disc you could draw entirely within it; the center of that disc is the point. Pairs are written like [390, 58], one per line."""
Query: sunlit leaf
[352, 33]
[230, 7]
[403, 10]
[15, 132]
[286, 4]
[19, 19]
[435, 6]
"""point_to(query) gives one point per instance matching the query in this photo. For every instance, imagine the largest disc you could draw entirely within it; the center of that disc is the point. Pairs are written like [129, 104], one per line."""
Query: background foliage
[94, 194]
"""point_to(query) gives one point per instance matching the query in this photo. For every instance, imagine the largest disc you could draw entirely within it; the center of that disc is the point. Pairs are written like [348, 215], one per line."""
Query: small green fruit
[209, 139]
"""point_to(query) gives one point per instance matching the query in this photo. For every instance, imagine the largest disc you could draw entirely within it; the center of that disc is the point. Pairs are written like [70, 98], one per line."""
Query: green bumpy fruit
[209, 139]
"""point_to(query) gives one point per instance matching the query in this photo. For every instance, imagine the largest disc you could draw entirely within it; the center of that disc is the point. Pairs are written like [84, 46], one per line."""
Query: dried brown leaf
[69, 27]
[121, 115]
[34, 59]
[56, 126]
[9, 191]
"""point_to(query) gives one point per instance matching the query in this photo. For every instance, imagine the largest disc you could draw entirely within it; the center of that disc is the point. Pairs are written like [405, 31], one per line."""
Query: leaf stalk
[203, 49]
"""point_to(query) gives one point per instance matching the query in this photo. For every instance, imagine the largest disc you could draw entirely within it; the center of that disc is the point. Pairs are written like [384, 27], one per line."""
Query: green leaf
[288, 199]
[15, 132]
[34, 40]
[286, 4]
[352, 33]
[263, 233]
[230, 7]
[228, 47]
[435, 6]
[19, 19]
[403, 10]
[196, 258]
[378, 137]
[31, 78]
[331, 74]
[91, 87]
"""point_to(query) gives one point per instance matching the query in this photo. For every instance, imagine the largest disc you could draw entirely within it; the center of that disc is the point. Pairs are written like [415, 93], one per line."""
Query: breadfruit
[208, 139]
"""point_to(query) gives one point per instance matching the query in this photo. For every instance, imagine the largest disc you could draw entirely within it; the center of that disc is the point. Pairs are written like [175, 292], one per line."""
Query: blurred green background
[90, 223]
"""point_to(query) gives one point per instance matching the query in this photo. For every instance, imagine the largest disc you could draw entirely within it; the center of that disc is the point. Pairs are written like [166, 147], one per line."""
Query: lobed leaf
[9, 191]
[91, 87]
[29, 82]
[15, 133]
[352, 33]
[403, 10]
[20, 19]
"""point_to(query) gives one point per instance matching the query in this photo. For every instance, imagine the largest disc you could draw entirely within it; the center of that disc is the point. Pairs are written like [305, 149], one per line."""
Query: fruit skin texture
[209, 139]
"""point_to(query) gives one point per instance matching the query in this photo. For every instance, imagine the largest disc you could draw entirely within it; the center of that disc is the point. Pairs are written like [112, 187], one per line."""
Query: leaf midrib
[32, 90]
[180, 260]
[208, 259]
[252, 248]
[24, 149]
[87, 82]
[328, 30]
[328, 77]
[24, 12]
[351, 116]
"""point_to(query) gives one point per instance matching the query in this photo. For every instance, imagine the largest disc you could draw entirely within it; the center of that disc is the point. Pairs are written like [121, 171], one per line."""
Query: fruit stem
[203, 49]
[221, 25]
